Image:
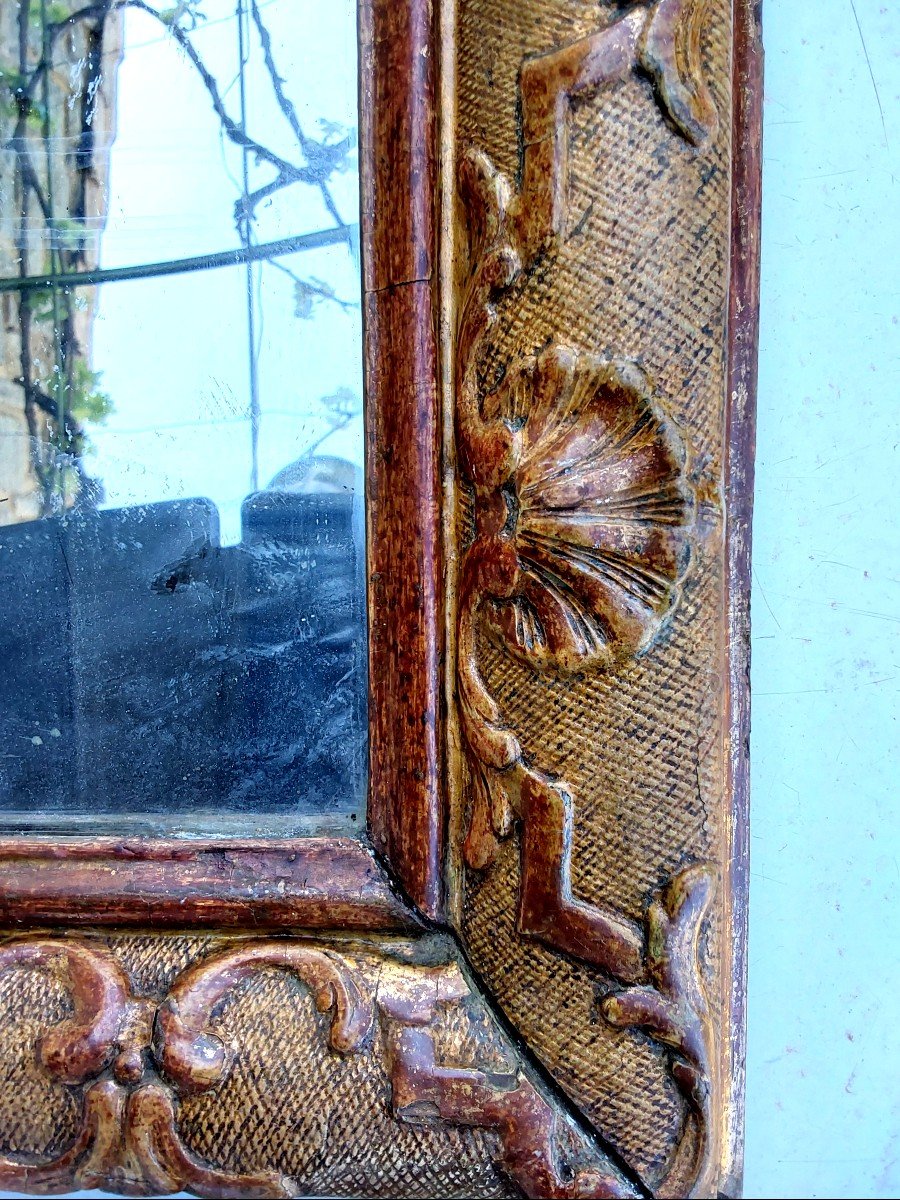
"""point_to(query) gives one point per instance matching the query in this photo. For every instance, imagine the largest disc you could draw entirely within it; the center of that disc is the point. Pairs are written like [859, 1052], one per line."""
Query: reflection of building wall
[82, 126]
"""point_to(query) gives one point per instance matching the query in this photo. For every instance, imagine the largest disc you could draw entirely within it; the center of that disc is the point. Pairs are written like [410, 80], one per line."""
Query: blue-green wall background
[823, 1081]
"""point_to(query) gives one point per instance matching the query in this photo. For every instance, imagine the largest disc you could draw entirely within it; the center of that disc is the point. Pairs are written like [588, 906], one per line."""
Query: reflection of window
[180, 380]
[171, 132]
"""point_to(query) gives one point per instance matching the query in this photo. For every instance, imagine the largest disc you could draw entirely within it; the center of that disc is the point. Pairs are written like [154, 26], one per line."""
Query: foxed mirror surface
[182, 587]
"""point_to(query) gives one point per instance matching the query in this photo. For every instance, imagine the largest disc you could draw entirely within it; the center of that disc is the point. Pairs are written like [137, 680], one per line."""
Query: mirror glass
[182, 588]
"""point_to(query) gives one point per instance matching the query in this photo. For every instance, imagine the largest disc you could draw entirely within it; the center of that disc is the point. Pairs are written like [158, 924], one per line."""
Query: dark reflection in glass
[181, 501]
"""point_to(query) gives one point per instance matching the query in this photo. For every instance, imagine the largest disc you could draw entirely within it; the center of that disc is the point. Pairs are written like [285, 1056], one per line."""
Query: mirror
[182, 647]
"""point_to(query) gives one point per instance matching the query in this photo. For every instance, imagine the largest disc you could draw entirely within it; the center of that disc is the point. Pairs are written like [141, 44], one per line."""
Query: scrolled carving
[195, 1060]
[507, 1102]
[669, 50]
[662, 39]
[525, 1121]
[137, 1058]
[583, 524]
[74, 1052]
[81, 1046]
[166, 1165]
[673, 1009]
[129, 1138]
[89, 1161]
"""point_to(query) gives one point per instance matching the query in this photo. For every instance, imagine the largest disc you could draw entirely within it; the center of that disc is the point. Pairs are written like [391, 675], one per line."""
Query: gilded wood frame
[158, 962]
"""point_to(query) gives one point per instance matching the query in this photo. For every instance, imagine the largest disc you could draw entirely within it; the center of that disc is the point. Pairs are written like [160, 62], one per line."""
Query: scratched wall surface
[822, 1112]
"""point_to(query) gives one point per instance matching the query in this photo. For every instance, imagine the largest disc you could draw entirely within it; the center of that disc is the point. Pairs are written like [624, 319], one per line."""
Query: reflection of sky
[174, 351]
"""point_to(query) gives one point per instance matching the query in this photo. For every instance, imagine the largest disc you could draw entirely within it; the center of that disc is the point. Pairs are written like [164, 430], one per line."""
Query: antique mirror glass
[182, 582]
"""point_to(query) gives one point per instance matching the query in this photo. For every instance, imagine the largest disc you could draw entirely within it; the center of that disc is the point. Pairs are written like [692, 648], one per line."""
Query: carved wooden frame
[540, 561]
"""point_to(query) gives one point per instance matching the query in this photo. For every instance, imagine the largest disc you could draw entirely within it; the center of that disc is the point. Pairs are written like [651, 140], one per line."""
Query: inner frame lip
[288, 885]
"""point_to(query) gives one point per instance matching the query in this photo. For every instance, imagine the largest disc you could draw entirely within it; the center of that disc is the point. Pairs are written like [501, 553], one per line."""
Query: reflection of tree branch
[329, 155]
[245, 207]
[47, 404]
[84, 157]
[319, 166]
[28, 386]
[56, 436]
[284, 103]
[100, 9]
[37, 396]
[19, 144]
[310, 286]
[232, 129]
[341, 408]
[322, 158]
[25, 362]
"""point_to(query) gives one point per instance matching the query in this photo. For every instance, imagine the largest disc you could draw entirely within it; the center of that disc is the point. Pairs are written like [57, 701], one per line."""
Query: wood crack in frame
[584, 521]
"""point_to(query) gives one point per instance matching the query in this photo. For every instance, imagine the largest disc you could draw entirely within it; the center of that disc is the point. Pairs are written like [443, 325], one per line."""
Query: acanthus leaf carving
[673, 1009]
[583, 525]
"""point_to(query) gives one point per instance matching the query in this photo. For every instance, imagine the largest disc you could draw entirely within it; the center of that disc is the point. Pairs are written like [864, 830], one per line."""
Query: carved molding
[583, 526]
[506, 1102]
[135, 1059]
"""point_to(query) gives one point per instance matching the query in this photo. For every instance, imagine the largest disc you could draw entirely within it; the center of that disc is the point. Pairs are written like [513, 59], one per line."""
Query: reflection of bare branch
[313, 286]
[322, 159]
[37, 396]
[30, 179]
[329, 155]
[56, 437]
[245, 207]
[284, 102]
[47, 405]
[84, 156]
[232, 129]
[35, 441]
[314, 446]
[25, 360]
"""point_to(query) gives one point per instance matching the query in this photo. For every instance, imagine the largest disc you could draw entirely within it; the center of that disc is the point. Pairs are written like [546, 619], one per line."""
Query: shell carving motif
[583, 523]
[596, 509]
